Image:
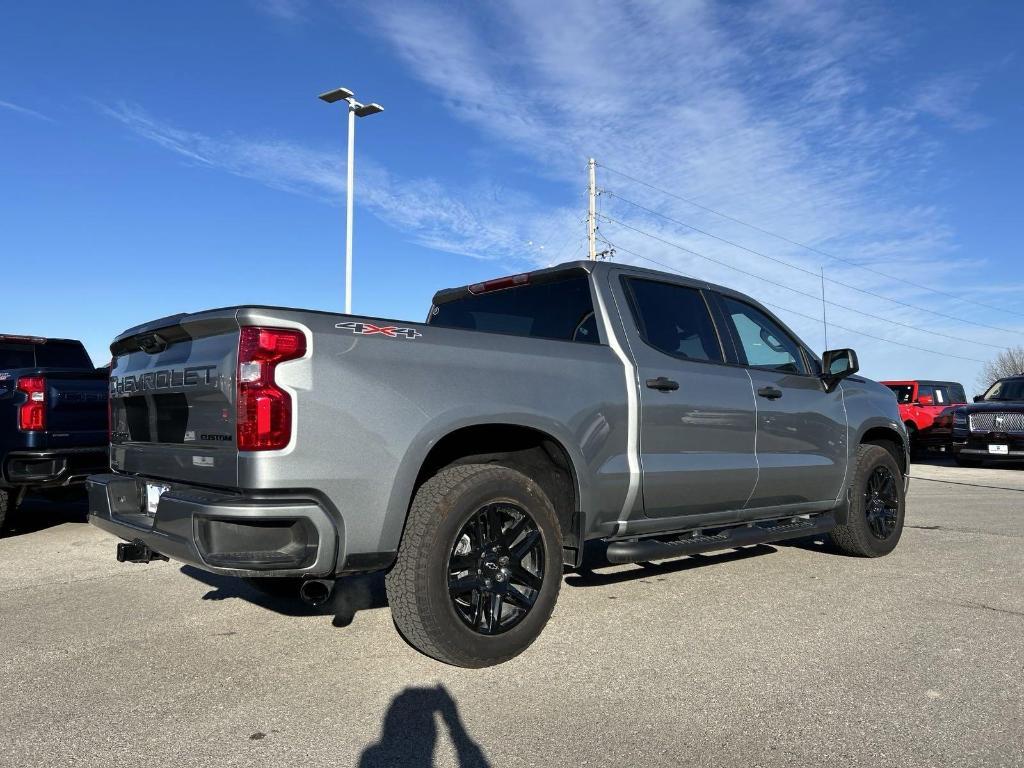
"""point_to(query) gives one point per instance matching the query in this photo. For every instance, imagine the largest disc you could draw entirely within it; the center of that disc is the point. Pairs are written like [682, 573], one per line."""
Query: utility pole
[592, 214]
[355, 109]
[824, 308]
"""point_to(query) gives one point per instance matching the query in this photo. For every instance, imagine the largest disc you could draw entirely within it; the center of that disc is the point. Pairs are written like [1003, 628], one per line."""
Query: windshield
[1006, 389]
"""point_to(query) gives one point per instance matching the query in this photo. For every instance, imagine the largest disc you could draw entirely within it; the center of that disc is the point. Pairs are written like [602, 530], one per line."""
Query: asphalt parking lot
[774, 655]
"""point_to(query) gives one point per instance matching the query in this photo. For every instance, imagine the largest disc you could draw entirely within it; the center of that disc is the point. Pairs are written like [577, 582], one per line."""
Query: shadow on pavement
[409, 734]
[38, 512]
[351, 595]
[594, 558]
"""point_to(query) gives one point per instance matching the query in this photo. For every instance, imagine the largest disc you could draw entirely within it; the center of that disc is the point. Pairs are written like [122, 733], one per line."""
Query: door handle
[770, 392]
[662, 384]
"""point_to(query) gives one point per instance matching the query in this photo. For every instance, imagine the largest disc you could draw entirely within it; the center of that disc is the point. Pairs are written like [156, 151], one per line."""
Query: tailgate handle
[662, 384]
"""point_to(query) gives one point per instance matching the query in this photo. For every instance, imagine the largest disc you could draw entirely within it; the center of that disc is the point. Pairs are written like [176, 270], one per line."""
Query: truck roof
[926, 382]
[11, 337]
[558, 270]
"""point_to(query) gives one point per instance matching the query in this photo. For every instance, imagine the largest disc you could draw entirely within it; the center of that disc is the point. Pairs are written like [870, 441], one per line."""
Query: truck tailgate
[75, 406]
[172, 389]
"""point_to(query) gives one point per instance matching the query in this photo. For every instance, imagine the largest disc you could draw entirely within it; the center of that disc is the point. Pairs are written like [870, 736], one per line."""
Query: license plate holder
[999, 449]
[153, 493]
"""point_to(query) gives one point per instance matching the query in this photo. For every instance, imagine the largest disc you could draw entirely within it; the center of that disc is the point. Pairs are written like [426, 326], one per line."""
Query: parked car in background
[921, 402]
[992, 427]
[473, 455]
[53, 416]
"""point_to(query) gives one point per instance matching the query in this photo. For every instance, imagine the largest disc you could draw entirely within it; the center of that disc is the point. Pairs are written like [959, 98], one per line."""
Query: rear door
[802, 440]
[696, 413]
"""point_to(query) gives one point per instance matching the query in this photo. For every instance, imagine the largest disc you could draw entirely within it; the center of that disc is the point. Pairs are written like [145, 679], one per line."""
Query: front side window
[674, 319]
[904, 393]
[763, 343]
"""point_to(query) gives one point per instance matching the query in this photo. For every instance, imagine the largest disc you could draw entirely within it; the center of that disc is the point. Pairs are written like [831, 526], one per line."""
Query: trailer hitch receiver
[136, 552]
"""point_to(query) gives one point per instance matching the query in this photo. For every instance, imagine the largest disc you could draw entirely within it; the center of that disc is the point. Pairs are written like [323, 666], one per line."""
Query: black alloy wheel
[496, 568]
[881, 502]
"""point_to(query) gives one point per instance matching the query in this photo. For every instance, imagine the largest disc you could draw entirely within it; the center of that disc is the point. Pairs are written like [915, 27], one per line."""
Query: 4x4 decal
[369, 329]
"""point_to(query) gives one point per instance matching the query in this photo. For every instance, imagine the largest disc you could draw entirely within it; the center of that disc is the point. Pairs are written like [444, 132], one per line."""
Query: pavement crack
[985, 607]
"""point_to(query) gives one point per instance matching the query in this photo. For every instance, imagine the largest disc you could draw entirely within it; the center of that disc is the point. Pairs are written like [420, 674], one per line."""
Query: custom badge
[369, 329]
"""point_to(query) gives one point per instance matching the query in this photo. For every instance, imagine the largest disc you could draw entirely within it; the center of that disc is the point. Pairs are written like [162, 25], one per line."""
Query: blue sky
[158, 158]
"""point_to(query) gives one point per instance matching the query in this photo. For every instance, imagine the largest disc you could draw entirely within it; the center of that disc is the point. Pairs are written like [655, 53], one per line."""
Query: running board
[642, 550]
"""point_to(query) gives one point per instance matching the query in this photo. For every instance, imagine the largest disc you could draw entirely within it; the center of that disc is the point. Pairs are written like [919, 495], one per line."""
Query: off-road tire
[855, 537]
[5, 501]
[417, 585]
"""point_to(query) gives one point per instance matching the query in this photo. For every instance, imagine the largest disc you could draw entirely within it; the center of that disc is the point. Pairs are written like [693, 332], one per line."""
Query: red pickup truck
[920, 403]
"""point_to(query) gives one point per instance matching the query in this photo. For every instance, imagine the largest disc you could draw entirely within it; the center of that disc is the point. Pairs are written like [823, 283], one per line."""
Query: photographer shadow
[409, 735]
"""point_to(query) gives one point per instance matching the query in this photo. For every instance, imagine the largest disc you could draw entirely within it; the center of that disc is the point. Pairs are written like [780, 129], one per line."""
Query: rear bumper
[231, 534]
[53, 468]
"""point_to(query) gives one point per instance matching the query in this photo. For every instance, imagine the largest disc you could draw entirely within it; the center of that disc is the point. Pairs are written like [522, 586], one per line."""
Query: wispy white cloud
[481, 222]
[25, 111]
[290, 11]
[947, 98]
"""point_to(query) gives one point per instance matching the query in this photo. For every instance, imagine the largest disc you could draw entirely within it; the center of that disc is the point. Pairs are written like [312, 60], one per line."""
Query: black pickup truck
[53, 416]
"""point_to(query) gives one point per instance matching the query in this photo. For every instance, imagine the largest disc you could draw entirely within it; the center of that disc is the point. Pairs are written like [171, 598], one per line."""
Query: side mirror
[836, 365]
[926, 400]
[979, 398]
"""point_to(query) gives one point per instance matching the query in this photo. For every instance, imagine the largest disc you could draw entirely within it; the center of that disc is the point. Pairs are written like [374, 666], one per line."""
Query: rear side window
[16, 355]
[560, 309]
[949, 393]
[60, 354]
[763, 342]
[674, 319]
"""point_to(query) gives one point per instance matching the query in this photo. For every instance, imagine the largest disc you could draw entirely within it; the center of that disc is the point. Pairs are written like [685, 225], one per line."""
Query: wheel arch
[540, 451]
[890, 438]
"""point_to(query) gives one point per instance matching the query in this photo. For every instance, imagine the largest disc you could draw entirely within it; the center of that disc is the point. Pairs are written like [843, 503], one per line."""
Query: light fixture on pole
[355, 109]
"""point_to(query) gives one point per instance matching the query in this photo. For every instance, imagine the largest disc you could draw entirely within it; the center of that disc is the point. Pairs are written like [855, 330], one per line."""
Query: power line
[800, 314]
[812, 249]
[811, 272]
[798, 291]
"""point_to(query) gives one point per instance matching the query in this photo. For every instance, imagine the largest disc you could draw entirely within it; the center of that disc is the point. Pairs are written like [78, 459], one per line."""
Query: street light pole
[349, 198]
[355, 109]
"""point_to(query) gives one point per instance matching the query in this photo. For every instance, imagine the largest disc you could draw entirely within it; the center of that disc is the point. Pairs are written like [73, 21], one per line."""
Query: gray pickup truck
[473, 455]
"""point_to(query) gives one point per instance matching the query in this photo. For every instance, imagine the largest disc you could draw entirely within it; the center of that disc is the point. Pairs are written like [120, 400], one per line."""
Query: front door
[696, 414]
[802, 440]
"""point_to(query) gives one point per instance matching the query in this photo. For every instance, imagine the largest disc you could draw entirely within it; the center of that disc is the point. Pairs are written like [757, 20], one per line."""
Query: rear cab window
[560, 309]
[43, 354]
[15, 355]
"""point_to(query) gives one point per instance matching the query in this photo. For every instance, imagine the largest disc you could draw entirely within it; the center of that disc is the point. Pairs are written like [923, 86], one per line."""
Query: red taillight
[264, 409]
[32, 413]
